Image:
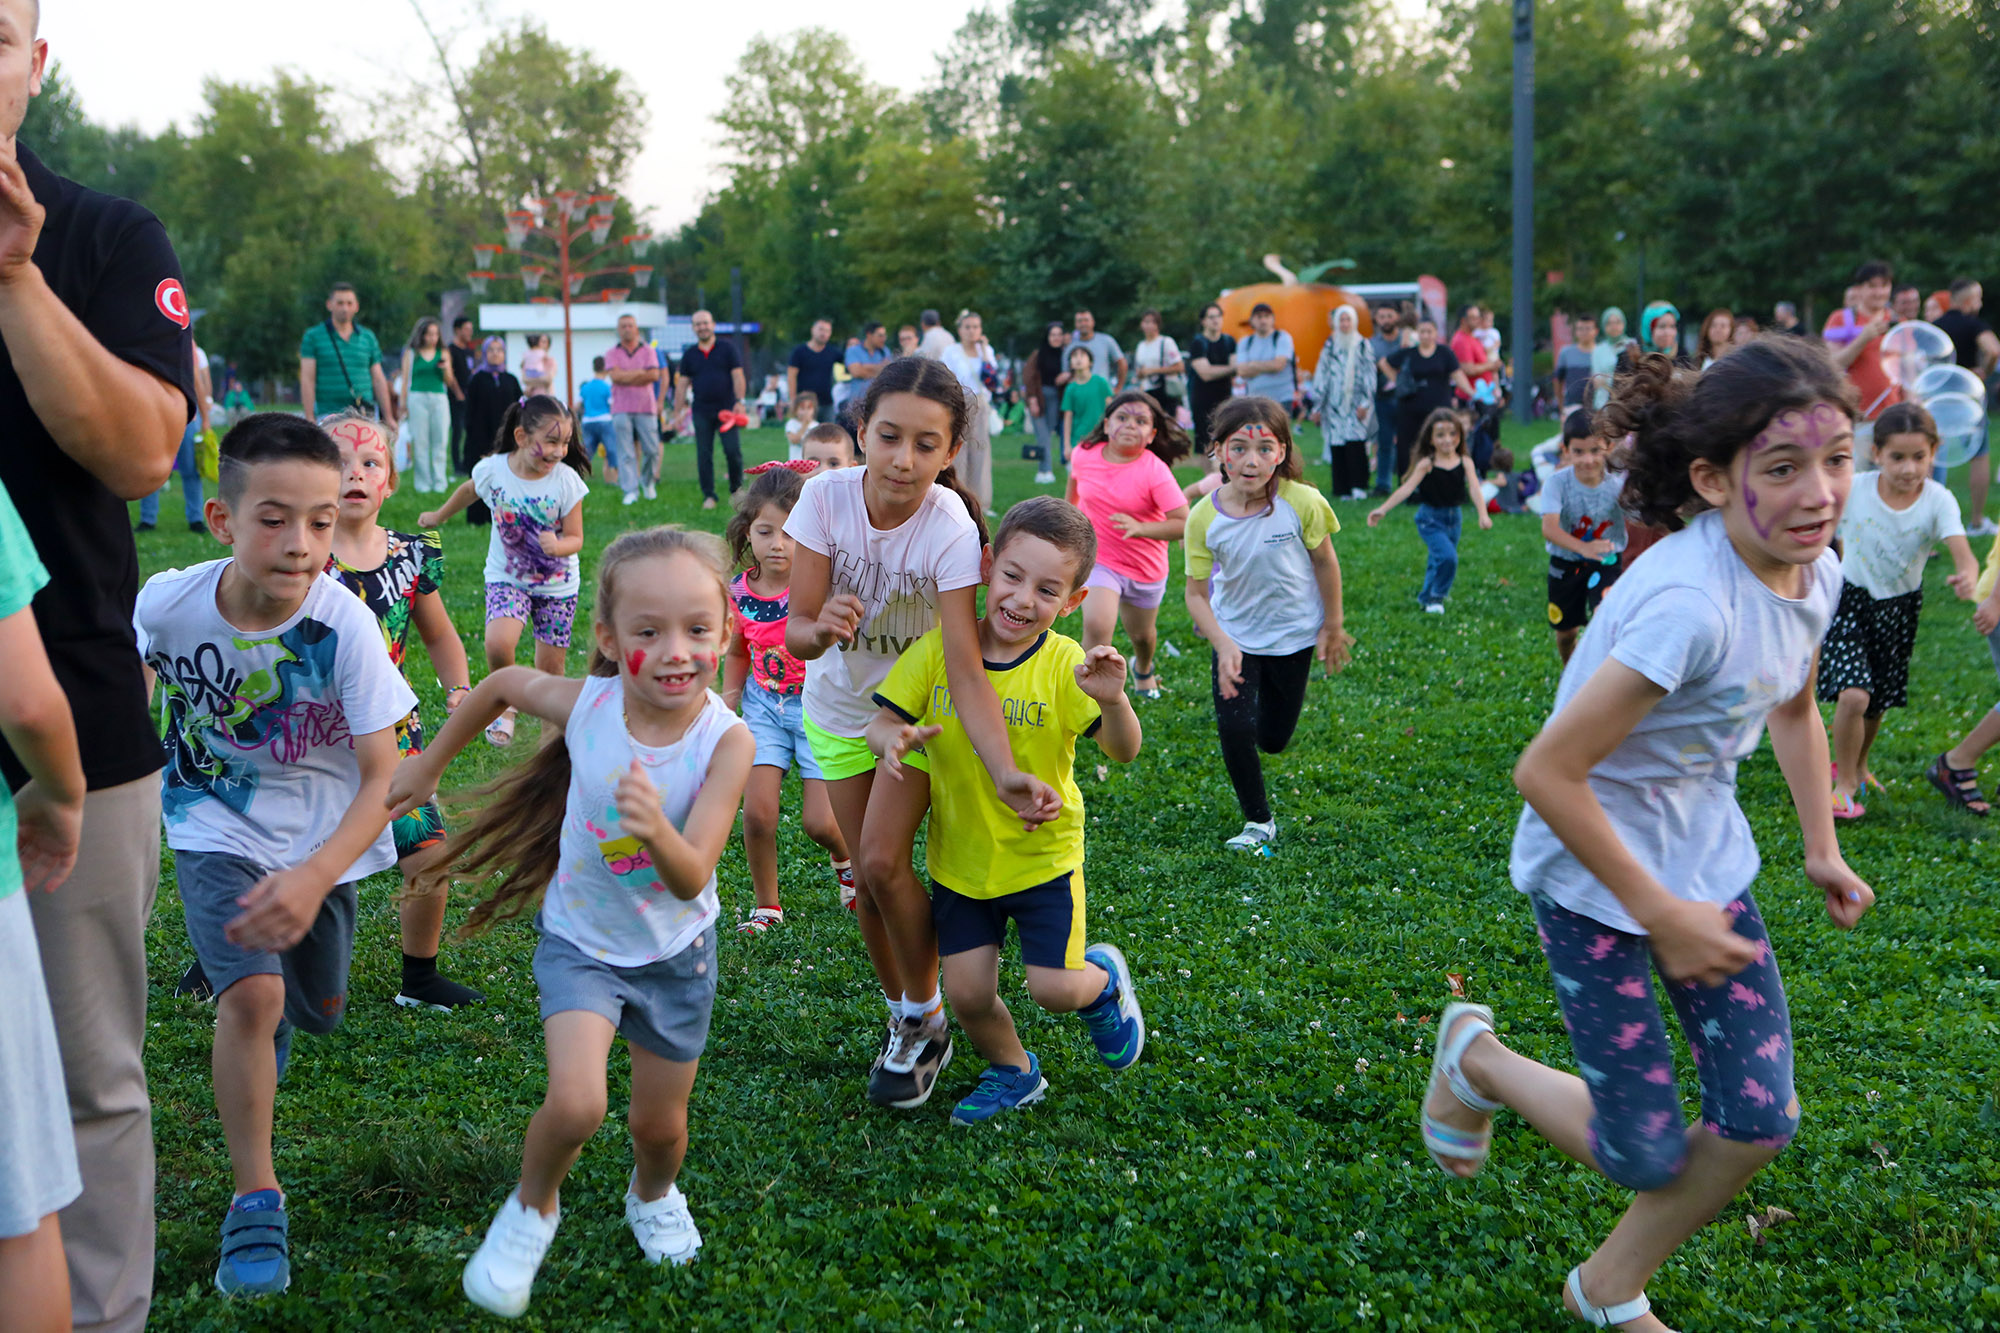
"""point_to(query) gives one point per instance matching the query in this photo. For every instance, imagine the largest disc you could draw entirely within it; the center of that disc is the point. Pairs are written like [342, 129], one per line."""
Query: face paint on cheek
[635, 660]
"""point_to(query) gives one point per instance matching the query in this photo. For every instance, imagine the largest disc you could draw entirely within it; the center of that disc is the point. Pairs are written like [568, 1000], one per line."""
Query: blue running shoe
[1002, 1089]
[1116, 1026]
[256, 1255]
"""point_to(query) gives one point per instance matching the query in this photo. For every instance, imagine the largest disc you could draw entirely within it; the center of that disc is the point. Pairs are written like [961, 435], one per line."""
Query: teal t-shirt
[21, 577]
[341, 366]
[1086, 398]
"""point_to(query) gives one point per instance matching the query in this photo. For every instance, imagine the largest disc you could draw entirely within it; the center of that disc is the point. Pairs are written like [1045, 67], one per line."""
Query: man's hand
[20, 218]
[1101, 674]
[278, 910]
[1332, 649]
[49, 832]
[638, 802]
[1848, 896]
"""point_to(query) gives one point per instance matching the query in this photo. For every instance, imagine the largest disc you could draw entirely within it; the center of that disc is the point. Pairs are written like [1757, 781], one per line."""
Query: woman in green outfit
[426, 378]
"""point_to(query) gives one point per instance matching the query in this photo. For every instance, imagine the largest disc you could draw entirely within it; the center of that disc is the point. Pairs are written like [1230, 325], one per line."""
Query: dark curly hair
[1670, 416]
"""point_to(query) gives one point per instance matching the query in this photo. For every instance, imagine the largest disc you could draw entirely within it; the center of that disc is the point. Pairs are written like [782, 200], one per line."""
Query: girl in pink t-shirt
[767, 682]
[1121, 475]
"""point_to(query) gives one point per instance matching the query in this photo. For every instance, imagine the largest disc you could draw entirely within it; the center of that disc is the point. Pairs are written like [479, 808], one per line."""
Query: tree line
[1741, 151]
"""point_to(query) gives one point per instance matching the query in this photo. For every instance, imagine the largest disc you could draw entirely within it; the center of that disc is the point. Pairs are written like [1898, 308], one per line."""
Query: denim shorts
[662, 1008]
[777, 723]
[1128, 589]
[1048, 918]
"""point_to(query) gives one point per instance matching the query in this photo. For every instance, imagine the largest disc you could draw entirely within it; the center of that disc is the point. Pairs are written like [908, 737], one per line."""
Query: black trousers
[1350, 467]
[705, 431]
[1262, 717]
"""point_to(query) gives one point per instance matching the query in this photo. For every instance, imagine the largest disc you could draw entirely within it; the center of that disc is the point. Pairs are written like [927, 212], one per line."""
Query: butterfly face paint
[1792, 481]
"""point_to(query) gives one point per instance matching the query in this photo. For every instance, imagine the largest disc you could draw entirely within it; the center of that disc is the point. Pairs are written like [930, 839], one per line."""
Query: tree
[546, 117]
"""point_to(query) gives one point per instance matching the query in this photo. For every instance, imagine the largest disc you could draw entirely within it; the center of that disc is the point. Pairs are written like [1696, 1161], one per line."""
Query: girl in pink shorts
[1121, 475]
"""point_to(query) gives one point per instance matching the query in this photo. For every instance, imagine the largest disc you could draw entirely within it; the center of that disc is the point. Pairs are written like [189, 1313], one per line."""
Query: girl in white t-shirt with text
[615, 829]
[1893, 519]
[805, 411]
[535, 488]
[1634, 853]
[882, 553]
[1263, 587]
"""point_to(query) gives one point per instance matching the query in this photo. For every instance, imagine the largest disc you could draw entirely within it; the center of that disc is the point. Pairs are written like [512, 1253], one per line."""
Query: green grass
[1260, 1168]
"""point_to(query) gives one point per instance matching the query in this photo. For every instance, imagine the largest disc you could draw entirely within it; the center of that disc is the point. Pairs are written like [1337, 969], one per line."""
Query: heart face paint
[634, 661]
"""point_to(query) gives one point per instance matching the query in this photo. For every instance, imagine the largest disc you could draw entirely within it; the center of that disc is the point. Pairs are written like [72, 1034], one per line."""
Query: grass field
[1260, 1168]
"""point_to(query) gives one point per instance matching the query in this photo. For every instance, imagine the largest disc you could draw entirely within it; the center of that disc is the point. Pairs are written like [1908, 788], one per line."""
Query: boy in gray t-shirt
[1583, 528]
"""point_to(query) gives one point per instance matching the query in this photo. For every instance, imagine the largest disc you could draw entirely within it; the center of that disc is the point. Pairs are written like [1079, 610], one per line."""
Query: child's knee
[1053, 990]
[1647, 1153]
[255, 1002]
[760, 817]
[658, 1128]
[824, 830]
[882, 867]
[575, 1113]
[1770, 1127]
[1854, 697]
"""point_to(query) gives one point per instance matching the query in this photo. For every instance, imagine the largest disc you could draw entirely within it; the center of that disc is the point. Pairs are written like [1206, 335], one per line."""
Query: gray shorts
[38, 1174]
[662, 1007]
[314, 969]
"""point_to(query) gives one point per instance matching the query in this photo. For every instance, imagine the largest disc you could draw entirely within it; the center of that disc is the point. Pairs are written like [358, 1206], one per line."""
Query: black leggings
[1260, 717]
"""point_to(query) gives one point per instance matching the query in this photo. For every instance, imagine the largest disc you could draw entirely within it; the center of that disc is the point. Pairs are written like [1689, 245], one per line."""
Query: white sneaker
[1045, 478]
[1985, 527]
[501, 1274]
[664, 1228]
[652, 491]
[1255, 837]
[1434, 608]
[631, 498]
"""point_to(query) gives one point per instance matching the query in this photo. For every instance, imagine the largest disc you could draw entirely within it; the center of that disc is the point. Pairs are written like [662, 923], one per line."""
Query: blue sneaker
[256, 1256]
[1002, 1089]
[1116, 1026]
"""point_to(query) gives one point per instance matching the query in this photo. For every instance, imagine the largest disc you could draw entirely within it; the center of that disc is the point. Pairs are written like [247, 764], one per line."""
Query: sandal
[500, 731]
[1846, 807]
[1608, 1316]
[1867, 780]
[1960, 786]
[1440, 1139]
[1146, 691]
[761, 920]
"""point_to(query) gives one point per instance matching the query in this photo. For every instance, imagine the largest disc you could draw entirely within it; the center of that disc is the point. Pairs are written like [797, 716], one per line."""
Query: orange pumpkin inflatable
[1303, 310]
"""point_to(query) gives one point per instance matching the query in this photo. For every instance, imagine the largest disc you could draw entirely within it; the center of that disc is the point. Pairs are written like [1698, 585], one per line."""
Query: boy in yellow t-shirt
[985, 868]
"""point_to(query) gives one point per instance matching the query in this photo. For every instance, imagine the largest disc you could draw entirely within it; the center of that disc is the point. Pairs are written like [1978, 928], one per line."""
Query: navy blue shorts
[1048, 918]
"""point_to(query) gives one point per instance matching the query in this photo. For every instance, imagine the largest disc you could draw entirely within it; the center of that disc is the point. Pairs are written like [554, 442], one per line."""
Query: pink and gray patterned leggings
[1740, 1034]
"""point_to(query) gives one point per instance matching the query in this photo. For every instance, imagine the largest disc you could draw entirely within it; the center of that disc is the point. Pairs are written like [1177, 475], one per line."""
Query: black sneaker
[194, 983]
[916, 1055]
[198, 527]
[144, 527]
[436, 992]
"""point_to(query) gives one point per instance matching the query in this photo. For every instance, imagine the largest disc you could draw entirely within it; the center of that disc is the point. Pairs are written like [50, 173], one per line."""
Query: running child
[281, 711]
[1893, 519]
[1955, 773]
[1583, 528]
[596, 423]
[537, 366]
[1445, 480]
[805, 414]
[984, 869]
[38, 1167]
[615, 829]
[884, 553]
[765, 683]
[1632, 847]
[1263, 587]
[533, 481]
[1121, 475]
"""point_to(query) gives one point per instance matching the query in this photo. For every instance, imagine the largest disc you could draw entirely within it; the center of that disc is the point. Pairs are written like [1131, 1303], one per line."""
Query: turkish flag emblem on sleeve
[172, 300]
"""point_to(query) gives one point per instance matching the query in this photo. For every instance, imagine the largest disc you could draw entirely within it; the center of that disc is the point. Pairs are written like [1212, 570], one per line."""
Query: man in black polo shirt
[460, 350]
[96, 387]
[811, 369]
[712, 379]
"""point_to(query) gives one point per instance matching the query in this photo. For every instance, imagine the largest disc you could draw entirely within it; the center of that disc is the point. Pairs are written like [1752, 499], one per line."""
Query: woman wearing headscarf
[1343, 389]
[1042, 396]
[492, 391]
[1612, 340]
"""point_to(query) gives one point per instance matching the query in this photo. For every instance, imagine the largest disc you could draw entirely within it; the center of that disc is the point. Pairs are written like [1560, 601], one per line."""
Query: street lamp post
[564, 219]
[1524, 208]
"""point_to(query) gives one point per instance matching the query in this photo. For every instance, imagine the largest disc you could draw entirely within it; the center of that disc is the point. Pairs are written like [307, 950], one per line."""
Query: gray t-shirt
[1381, 347]
[1694, 620]
[1574, 365]
[1277, 385]
[1104, 354]
[1589, 513]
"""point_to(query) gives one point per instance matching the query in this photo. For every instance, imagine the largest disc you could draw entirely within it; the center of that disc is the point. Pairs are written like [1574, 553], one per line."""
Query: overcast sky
[142, 62]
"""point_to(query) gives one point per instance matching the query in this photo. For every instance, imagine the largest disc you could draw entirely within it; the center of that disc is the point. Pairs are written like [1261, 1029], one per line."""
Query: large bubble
[1911, 348]
[1941, 380]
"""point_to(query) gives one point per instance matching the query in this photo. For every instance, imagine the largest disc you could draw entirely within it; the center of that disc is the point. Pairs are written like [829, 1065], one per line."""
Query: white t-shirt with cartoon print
[897, 573]
[523, 509]
[1692, 618]
[607, 899]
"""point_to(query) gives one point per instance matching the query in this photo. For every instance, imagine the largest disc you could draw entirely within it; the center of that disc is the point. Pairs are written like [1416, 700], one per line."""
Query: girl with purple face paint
[1634, 853]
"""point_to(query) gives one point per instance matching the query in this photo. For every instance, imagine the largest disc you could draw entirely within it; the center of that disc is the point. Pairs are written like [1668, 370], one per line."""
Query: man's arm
[308, 382]
[383, 402]
[736, 383]
[1989, 353]
[1118, 384]
[791, 384]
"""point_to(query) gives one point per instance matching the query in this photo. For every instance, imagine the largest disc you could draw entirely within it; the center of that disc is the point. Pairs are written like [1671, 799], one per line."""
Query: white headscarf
[1345, 340]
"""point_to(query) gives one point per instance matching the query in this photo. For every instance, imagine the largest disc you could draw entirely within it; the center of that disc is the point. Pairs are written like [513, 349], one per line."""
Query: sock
[417, 969]
[842, 867]
[895, 1008]
[923, 1009]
